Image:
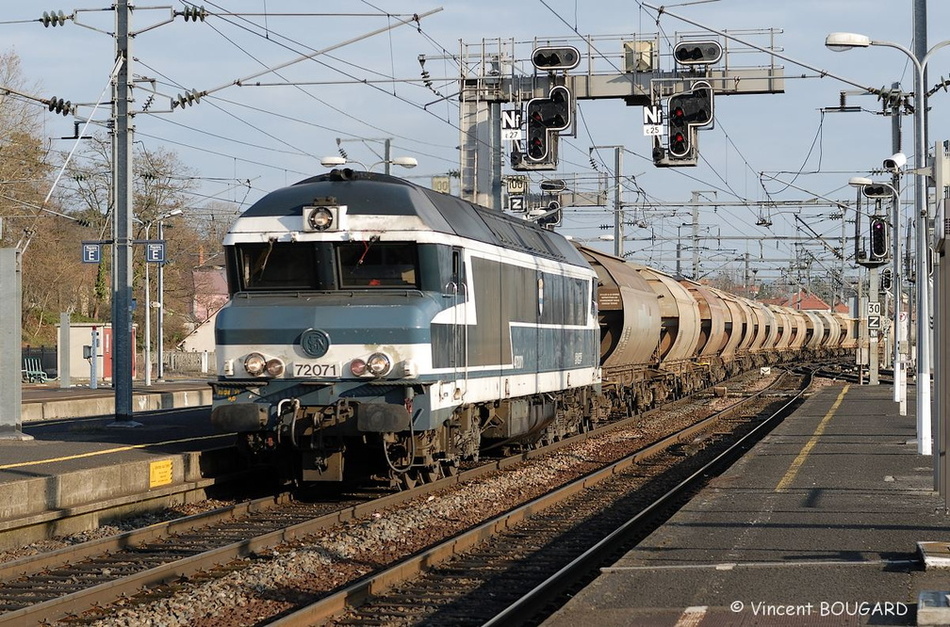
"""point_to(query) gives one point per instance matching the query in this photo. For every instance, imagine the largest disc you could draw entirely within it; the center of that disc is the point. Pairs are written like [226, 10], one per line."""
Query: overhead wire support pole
[920, 56]
[618, 201]
[897, 280]
[124, 349]
[618, 197]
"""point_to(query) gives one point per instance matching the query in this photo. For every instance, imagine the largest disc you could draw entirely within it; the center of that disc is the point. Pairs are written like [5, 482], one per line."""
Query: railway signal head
[876, 191]
[697, 52]
[547, 116]
[555, 58]
[687, 112]
[879, 239]
[886, 279]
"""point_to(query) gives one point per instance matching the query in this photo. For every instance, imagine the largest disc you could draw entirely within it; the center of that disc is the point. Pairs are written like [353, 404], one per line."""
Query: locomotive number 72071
[315, 370]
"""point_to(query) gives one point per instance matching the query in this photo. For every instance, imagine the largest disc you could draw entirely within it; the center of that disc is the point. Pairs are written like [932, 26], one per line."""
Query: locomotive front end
[326, 342]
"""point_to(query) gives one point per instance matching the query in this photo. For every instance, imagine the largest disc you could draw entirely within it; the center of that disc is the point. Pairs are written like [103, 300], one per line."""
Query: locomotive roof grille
[367, 193]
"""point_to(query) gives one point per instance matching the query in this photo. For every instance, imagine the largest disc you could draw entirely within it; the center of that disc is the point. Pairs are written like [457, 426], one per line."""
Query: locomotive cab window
[277, 266]
[373, 264]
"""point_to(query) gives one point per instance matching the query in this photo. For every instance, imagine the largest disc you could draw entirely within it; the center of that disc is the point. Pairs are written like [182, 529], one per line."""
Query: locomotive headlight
[358, 367]
[254, 364]
[274, 367]
[379, 364]
[320, 219]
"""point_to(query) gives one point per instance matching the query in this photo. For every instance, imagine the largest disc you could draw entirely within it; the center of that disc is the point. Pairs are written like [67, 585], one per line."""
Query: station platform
[831, 519]
[72, 457]
[49, 401]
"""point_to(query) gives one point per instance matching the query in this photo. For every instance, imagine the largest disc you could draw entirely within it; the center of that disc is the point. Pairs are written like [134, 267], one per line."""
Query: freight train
[378, 328]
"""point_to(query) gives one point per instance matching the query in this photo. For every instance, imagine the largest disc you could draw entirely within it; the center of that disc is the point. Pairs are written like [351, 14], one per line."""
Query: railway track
[515, 576]
[66, 585]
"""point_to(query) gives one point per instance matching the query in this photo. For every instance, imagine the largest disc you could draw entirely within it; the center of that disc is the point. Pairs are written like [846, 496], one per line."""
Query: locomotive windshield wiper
[263, 264]
[373, 239]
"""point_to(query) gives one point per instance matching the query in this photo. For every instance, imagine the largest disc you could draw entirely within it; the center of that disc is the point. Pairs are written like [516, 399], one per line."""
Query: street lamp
[148, 299]
[840, 42]
[900, 377]
[160, 338]
[405, 162]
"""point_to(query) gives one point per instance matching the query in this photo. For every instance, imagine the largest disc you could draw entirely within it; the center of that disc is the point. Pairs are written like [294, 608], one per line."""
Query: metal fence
[176, 362]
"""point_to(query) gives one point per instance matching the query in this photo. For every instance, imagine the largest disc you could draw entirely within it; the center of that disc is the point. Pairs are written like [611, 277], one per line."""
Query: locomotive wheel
[431, 474]
[408, 480]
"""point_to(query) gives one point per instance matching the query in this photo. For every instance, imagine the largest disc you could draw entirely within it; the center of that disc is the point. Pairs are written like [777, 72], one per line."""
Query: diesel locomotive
[379, 328]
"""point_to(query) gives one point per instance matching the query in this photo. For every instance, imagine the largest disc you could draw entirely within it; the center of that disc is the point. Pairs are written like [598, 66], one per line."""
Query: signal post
[877, 254]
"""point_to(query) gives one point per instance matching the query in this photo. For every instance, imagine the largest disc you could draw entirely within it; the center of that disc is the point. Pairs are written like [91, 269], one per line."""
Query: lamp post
[160, 326]
[845, 41]
[900, 377]
[405, 162]
[148, 300]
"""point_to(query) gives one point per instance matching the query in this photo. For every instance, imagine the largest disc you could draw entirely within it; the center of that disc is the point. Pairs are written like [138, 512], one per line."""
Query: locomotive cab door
[457, 289]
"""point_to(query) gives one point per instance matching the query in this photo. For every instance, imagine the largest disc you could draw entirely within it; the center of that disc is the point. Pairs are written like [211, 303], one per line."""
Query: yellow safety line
[120, 449]
[800, 460]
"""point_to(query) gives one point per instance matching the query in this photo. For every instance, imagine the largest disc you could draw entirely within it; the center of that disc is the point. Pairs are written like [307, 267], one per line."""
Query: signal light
[697, 52]
[53, 19]
[58, 105]
[876, 191]
[555, 58]
[886, 279]
[545, 117]
[879, 244]
[555, 214]
[688, 111]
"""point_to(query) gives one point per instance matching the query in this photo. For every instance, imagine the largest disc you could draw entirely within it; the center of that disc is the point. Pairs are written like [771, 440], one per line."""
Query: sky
[245, 140]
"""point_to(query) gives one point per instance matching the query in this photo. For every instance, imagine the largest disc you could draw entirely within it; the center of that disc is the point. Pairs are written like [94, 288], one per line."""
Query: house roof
[803, 300]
